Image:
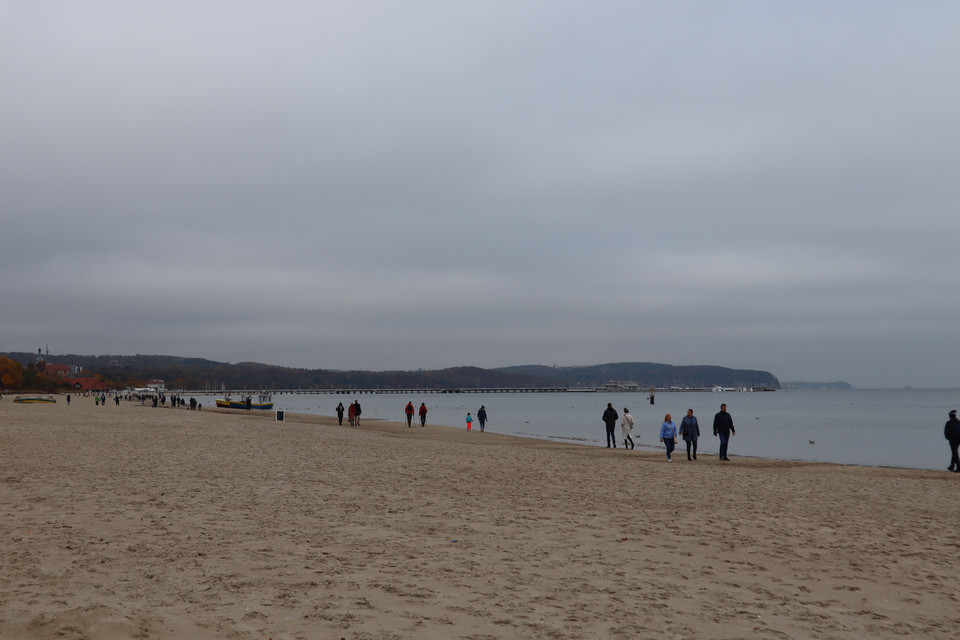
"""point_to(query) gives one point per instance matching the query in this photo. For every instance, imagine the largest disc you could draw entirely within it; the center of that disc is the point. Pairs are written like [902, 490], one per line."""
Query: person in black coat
[690, 432]
[723, 427]
[610, 418]
[951, 431]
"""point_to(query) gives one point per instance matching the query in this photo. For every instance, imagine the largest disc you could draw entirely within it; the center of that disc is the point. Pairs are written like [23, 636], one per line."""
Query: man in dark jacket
[951, 431]
[610, 418]
[723, 427]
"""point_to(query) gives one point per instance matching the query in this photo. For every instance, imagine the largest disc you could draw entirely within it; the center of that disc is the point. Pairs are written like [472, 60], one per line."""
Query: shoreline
[559, 440]
[132, 521]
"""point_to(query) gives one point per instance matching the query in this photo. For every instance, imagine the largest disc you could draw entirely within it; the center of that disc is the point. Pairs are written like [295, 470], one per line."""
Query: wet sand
[135, 522]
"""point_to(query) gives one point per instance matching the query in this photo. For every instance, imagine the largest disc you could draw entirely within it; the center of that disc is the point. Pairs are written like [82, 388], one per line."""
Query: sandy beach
[141, 522]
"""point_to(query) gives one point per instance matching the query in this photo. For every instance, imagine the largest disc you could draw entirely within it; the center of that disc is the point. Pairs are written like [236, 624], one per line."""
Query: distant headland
[198, 373]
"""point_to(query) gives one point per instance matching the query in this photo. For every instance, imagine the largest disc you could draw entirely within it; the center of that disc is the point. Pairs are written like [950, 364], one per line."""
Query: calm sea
[894, 428]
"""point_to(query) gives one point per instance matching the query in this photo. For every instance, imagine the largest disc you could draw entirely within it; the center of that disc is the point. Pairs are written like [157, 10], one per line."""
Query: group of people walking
[353, 413]
[409, 411]
[481, 418]
[689, 430]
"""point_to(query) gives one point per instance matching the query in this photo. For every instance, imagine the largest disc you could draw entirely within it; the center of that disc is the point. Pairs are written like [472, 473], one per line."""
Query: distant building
[62, 370]
[156, 385]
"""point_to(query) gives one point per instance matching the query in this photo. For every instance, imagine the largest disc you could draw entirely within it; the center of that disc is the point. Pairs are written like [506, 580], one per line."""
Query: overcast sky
[424, 184]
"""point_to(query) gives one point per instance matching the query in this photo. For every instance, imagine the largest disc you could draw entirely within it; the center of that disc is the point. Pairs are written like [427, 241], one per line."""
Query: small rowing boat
[35, 399]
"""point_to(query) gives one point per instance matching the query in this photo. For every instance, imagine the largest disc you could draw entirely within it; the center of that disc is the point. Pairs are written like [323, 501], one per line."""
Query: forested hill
[198, 373]
[650, 374]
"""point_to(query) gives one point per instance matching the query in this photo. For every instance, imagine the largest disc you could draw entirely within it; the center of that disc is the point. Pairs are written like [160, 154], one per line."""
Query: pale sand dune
[135, 522]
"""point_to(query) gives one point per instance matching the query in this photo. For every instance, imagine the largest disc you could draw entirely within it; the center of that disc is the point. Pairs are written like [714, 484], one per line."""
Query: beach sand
[136, 522]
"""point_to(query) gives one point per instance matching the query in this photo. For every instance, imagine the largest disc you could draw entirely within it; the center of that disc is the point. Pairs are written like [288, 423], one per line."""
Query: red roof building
[89, 384]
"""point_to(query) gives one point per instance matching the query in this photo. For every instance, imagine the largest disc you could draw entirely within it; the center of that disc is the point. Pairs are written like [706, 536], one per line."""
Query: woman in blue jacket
[668, 434]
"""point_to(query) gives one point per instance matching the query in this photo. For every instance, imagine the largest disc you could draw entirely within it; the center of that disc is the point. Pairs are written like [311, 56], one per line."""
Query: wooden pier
[348, 392]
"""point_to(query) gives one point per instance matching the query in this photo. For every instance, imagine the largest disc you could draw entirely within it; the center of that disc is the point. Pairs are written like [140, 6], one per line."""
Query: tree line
[199, 373]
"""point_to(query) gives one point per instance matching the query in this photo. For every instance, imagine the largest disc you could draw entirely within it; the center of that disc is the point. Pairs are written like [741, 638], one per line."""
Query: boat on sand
[35, 400]
[265, 402]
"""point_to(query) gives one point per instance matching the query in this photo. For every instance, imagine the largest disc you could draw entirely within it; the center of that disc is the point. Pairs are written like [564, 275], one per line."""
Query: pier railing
[426, 390]
[367, 391]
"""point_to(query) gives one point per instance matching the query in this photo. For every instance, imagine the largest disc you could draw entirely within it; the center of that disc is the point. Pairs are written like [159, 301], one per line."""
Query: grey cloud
[430, 184]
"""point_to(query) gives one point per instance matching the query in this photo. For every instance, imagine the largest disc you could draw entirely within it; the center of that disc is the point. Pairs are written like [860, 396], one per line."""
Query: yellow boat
[265, 403]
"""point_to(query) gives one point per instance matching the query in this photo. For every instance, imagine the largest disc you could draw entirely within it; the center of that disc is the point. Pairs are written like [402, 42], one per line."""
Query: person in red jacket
[423, 414]
[409, 412]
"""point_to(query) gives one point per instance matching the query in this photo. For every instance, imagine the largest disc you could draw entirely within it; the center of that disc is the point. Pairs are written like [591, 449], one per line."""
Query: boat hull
[29, 400]
[236, 404]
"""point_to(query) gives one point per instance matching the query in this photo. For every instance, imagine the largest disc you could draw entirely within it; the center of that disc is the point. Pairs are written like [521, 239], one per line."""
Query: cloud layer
[394, 186]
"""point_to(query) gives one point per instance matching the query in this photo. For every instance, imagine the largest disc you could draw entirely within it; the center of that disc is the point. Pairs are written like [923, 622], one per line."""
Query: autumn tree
[11, 373]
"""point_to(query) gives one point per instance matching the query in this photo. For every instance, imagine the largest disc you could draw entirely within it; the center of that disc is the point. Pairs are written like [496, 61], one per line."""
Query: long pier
[424, 390]
[372, 391]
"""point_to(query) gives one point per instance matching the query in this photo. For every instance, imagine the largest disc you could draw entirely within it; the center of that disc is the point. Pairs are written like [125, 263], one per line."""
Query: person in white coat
[626, 423]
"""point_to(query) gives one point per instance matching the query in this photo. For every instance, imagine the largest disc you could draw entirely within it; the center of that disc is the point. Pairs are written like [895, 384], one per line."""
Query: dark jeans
[670, 443]
[691, 443]
[955, 456]
[724, 441]
[611, 437]
[409, 419]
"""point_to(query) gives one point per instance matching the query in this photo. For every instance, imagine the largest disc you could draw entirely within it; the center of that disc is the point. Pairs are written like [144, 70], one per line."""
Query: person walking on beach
[668, 435]
[340, 413]
[350, 412]
[690, 432]
[409, 410]
[610, 420]
[423, 414]
[469, 421]
[482, 417]
[626, 425]
[951, 431]
[356, 412]
[723, 427]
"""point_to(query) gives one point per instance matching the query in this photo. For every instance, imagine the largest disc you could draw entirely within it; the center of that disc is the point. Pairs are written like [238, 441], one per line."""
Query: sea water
[895, 428]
